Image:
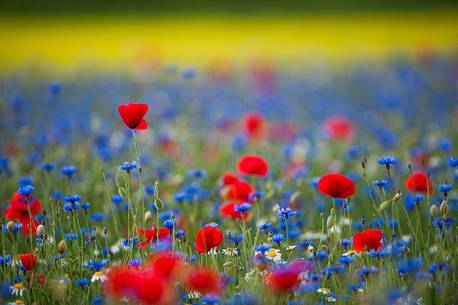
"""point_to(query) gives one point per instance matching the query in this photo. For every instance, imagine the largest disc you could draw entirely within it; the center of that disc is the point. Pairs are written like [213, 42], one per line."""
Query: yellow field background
[61, 41]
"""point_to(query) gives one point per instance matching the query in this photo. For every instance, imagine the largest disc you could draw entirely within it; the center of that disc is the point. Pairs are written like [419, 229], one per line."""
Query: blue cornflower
[243, 207]
[127, 167]
[277, 238]
[189, 73]
[150, 190]
[285, 213]
[235, 238]
[72, 198]
[453, 162]
[26, 190]
[265, 226]
[346, 259]
[263, 247]
[361, 284]
[17, 227]
[322, 254]
[409, 265]
[445, 188]
[98, 300]
[70, 236]
[136, 262]
[27, 180]
[82, 282]
[255, 195]
[345, 242]
[380, 183]
[97, 265]
[170, 224]
[4, 260]
[68, 171]
[180, 234]
[117, 199]
[305, 244]
[4, 165]
[56, 195]
[365, 270]
[47, 166]
[197, 173]
[86, 205]
[68, 206]
[97, 216]
[210, 299]
[387, 161]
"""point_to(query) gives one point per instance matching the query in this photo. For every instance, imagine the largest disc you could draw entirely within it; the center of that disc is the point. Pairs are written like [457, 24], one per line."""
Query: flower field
[232, 186]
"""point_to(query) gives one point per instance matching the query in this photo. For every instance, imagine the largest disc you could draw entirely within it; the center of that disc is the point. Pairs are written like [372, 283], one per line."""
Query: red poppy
[28, 260]
[208, 238]
[366, 240]
[339, 127]
[254, 125]
[419, 182]
[140, 285]
[229, 178]
[282, 280]
[336, 186]
[166, 264]
[252, 164]
[151, 235]
[132, 114]
[204, 280]
[18, 211]
[227, 210]
[240, 191]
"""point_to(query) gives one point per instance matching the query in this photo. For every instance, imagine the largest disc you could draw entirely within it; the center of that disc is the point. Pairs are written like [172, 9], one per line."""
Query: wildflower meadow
[170, 173]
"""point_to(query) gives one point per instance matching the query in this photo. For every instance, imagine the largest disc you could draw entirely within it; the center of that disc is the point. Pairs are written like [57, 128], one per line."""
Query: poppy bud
[331, 219]
[62, 246]
[148, 216]
[41, 230]
[10, 226]
[228, 264]
[397, 196]
[434, 211]
[444, 209]
[384, 205]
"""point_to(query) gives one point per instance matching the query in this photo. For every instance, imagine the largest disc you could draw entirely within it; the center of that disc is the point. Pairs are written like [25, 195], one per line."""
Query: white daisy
[98, 277]
[231, 251]
[17, 289]
[194, 295]
[273, 254]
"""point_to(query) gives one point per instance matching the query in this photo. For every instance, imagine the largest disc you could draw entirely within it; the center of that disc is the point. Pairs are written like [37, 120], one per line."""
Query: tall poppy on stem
[366, 240]
[132, 114]
[336, 186]
[28, 260]
[208, 238]
[252, 164]
[419, 182]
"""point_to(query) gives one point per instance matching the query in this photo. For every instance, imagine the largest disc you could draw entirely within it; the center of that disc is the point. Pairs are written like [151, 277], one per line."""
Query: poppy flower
[140, 285]
[227, 210]
[132, 114]
[254, 125]
[151, 235]
[18, 211]
[336, 186]
[229, 178]
[28, 260]
[166, 263]
[203, 280]
[252, 164]
[366, 240]
[339, 127]
[208, 238]
[419, 182]
[282, 280]
[240, 190]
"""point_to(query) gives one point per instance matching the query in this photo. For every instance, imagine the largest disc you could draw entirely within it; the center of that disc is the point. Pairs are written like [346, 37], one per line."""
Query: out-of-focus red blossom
[252, 164]
[142, 285]
[282, 280]
[17, 211]
[301, 266]
[339, 127]
[254, 125]
[240, 191]
[207, 238]
[420, 159]
[336, 186]
[132, 114]
[28, 260]
[168, 145]
[166, 264]
[204, 280]
[263, 75]
[419, 182]
[227, 210]
[366, 240]
[229, 178]
[151, 235]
